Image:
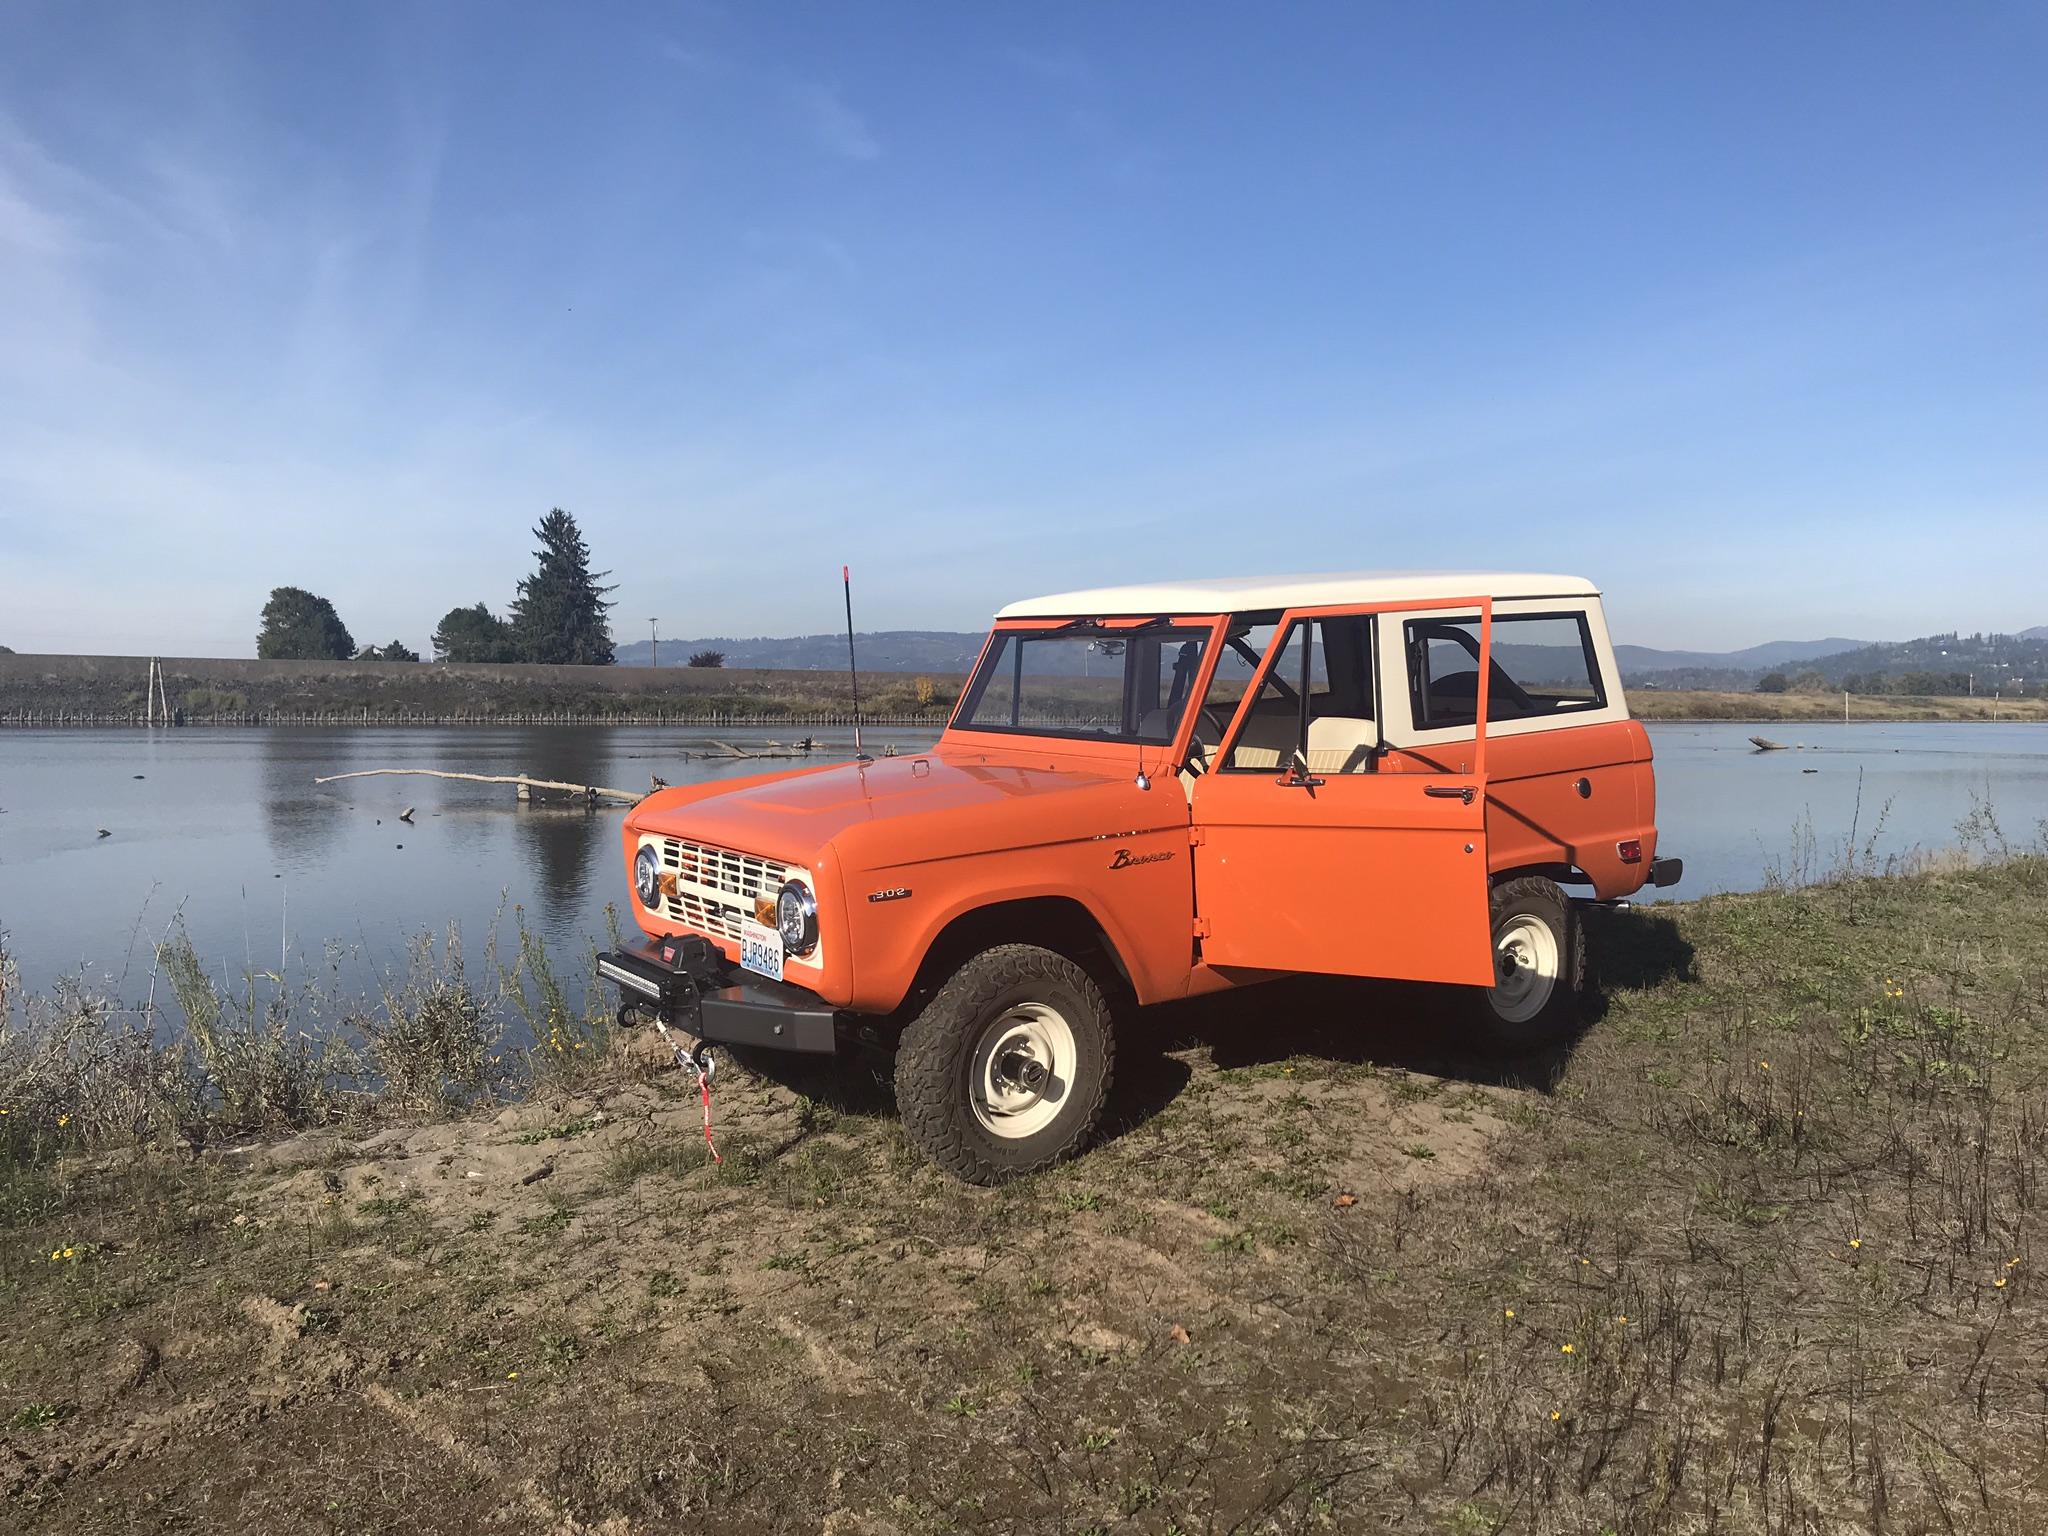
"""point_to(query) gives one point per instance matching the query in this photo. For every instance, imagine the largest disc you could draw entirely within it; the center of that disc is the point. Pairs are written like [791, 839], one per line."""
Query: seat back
[1340, 744]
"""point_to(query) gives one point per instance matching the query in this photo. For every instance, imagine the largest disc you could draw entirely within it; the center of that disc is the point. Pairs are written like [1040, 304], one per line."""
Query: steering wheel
[1207, 725]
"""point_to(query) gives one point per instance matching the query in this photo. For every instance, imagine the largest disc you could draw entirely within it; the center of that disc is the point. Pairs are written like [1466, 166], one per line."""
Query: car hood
[790, 817]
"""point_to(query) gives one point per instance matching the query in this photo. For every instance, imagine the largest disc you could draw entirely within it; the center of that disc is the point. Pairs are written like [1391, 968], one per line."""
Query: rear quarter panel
[1535, 813]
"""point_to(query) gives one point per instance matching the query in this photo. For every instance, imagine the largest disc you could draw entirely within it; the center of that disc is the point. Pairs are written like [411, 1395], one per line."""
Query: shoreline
[1326, 1262]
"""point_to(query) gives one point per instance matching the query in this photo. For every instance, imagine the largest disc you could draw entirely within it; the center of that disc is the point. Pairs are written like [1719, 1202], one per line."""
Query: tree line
[559, 616]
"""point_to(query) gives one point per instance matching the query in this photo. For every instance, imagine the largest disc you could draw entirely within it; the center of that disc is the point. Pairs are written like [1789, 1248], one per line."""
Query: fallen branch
[588, 791]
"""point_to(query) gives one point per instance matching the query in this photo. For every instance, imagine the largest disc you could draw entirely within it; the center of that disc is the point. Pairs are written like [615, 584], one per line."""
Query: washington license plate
[761, 949]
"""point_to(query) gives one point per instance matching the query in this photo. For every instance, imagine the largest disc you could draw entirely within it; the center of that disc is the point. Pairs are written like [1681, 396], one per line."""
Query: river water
[273, 872]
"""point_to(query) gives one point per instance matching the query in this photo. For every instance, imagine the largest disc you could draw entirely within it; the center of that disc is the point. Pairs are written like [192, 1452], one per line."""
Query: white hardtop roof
[1246, 594]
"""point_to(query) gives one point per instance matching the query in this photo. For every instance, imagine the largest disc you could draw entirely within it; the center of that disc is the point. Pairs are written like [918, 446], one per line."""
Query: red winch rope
[704, 1088]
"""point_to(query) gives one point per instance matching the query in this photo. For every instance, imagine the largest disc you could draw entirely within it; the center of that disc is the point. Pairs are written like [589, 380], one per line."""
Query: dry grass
[1759, 1253]
[1699, 704]
[200, 1060]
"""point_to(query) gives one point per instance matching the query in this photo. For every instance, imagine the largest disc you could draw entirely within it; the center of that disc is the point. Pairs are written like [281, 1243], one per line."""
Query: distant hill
[1940, 664]
[952, 651]
[1772, 653]
[887, 650]
[1952, 663]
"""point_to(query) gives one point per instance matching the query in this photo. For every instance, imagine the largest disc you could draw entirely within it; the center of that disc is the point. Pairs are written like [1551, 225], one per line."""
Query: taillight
[1631, 850]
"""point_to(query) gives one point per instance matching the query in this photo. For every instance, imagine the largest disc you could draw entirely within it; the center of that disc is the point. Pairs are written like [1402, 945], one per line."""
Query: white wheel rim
[1525, 965]
[1023, 1069]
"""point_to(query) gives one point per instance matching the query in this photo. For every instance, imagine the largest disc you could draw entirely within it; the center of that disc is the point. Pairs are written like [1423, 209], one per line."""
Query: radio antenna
[853, 667]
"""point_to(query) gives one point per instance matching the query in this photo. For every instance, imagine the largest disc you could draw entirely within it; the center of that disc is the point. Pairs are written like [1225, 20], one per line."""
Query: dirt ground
[1756, 1253]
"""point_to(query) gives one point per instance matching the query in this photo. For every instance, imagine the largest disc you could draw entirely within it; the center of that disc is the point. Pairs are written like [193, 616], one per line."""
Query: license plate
[761, 949]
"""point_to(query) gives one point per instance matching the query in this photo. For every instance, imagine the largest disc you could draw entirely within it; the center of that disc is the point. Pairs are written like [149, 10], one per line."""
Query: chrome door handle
[1462, 792]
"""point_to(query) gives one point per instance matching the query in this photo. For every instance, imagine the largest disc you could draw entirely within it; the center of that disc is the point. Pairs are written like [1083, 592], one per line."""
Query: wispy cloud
[834, 126]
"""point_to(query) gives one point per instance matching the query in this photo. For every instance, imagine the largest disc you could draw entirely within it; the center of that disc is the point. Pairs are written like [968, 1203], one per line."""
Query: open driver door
[1309, 857]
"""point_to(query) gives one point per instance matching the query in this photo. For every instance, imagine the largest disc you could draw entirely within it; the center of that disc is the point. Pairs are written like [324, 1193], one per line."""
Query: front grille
[715, 888]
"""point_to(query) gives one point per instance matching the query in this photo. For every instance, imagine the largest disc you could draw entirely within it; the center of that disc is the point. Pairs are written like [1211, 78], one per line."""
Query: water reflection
[302, 823]
[562, 843]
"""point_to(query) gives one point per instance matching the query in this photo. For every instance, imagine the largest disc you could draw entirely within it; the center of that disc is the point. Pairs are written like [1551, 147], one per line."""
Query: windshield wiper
[1097, 624]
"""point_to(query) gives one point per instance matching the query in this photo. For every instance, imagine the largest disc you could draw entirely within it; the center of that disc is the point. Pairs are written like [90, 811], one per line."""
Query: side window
[1315, 706]
[1543, 665]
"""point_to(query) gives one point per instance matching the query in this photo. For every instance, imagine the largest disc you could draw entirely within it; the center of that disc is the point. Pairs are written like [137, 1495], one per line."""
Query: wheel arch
[1559, 874]
[1062, 924]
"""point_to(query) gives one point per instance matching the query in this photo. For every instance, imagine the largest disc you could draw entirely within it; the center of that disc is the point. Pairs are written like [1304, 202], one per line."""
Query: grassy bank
[1692, 704]
[1760, 1252]
[110, 689]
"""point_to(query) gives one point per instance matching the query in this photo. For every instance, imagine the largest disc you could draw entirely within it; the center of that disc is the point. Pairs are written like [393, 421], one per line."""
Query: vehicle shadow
[1402, 1025]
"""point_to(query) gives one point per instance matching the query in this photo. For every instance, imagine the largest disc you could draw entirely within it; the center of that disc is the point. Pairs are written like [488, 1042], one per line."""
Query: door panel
[1357, 873]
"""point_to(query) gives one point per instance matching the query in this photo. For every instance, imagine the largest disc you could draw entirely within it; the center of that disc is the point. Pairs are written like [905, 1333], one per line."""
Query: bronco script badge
[1125, 858]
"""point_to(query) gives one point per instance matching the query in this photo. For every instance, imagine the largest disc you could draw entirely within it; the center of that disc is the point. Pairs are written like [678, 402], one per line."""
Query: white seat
[1340, 744]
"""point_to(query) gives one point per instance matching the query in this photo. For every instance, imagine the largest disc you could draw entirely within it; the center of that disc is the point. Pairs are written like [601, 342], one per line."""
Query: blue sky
[1741, 310]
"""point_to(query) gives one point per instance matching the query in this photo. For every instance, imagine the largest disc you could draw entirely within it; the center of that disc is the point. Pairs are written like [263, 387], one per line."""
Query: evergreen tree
[301, 626]
[559, 616]
[707, 659]
[473, 634]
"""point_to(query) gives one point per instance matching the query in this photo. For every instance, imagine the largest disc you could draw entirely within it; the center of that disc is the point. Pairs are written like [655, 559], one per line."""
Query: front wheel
[1539, 961]
[1007, 1069]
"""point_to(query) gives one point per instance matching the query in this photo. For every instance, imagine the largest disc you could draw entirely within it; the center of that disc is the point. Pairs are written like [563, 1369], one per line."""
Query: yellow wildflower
[1555, 1415]
[1855, 1242]
[511, 1375]
[1764, 1065]
[1508, 1313]
[1999, 1282]
[2013, 1262]
[63, 1120]
[1566, 1349]
[1622, 1320]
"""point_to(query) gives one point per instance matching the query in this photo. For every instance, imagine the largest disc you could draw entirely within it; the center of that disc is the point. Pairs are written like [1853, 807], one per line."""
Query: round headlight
[796, 914]
[646, 876]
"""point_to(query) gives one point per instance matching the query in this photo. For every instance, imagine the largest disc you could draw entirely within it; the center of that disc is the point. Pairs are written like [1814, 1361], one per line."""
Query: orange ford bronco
[1150, 792]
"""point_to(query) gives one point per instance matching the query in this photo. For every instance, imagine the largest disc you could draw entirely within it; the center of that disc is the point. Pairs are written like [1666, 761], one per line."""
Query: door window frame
[1283, 627]
[1375, 612]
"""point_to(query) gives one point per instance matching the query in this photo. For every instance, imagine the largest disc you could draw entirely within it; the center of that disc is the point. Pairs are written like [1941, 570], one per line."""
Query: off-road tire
[936, 1062]
[1521, 902]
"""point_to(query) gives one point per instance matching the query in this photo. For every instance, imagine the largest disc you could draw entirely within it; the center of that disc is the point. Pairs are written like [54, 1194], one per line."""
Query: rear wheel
[1539, 963]
[1006, 1070]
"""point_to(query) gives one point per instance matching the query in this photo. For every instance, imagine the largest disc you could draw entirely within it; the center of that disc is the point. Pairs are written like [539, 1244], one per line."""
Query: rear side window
[1544, 665]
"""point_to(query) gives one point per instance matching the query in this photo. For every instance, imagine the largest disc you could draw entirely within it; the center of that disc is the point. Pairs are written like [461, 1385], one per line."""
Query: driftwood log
[587, 791]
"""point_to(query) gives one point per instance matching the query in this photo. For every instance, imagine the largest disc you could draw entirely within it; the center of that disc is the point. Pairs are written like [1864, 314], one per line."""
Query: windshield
[1130, 683]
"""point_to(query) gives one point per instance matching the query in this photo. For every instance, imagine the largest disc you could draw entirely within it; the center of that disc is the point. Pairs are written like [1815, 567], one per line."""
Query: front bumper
[688, 982]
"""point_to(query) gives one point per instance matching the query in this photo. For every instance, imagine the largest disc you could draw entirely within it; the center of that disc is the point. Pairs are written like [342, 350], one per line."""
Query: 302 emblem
[1125, 858]
[894, 893]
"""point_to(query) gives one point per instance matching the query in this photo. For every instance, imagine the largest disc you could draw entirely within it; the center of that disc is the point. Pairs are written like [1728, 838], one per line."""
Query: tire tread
[927, 1056]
